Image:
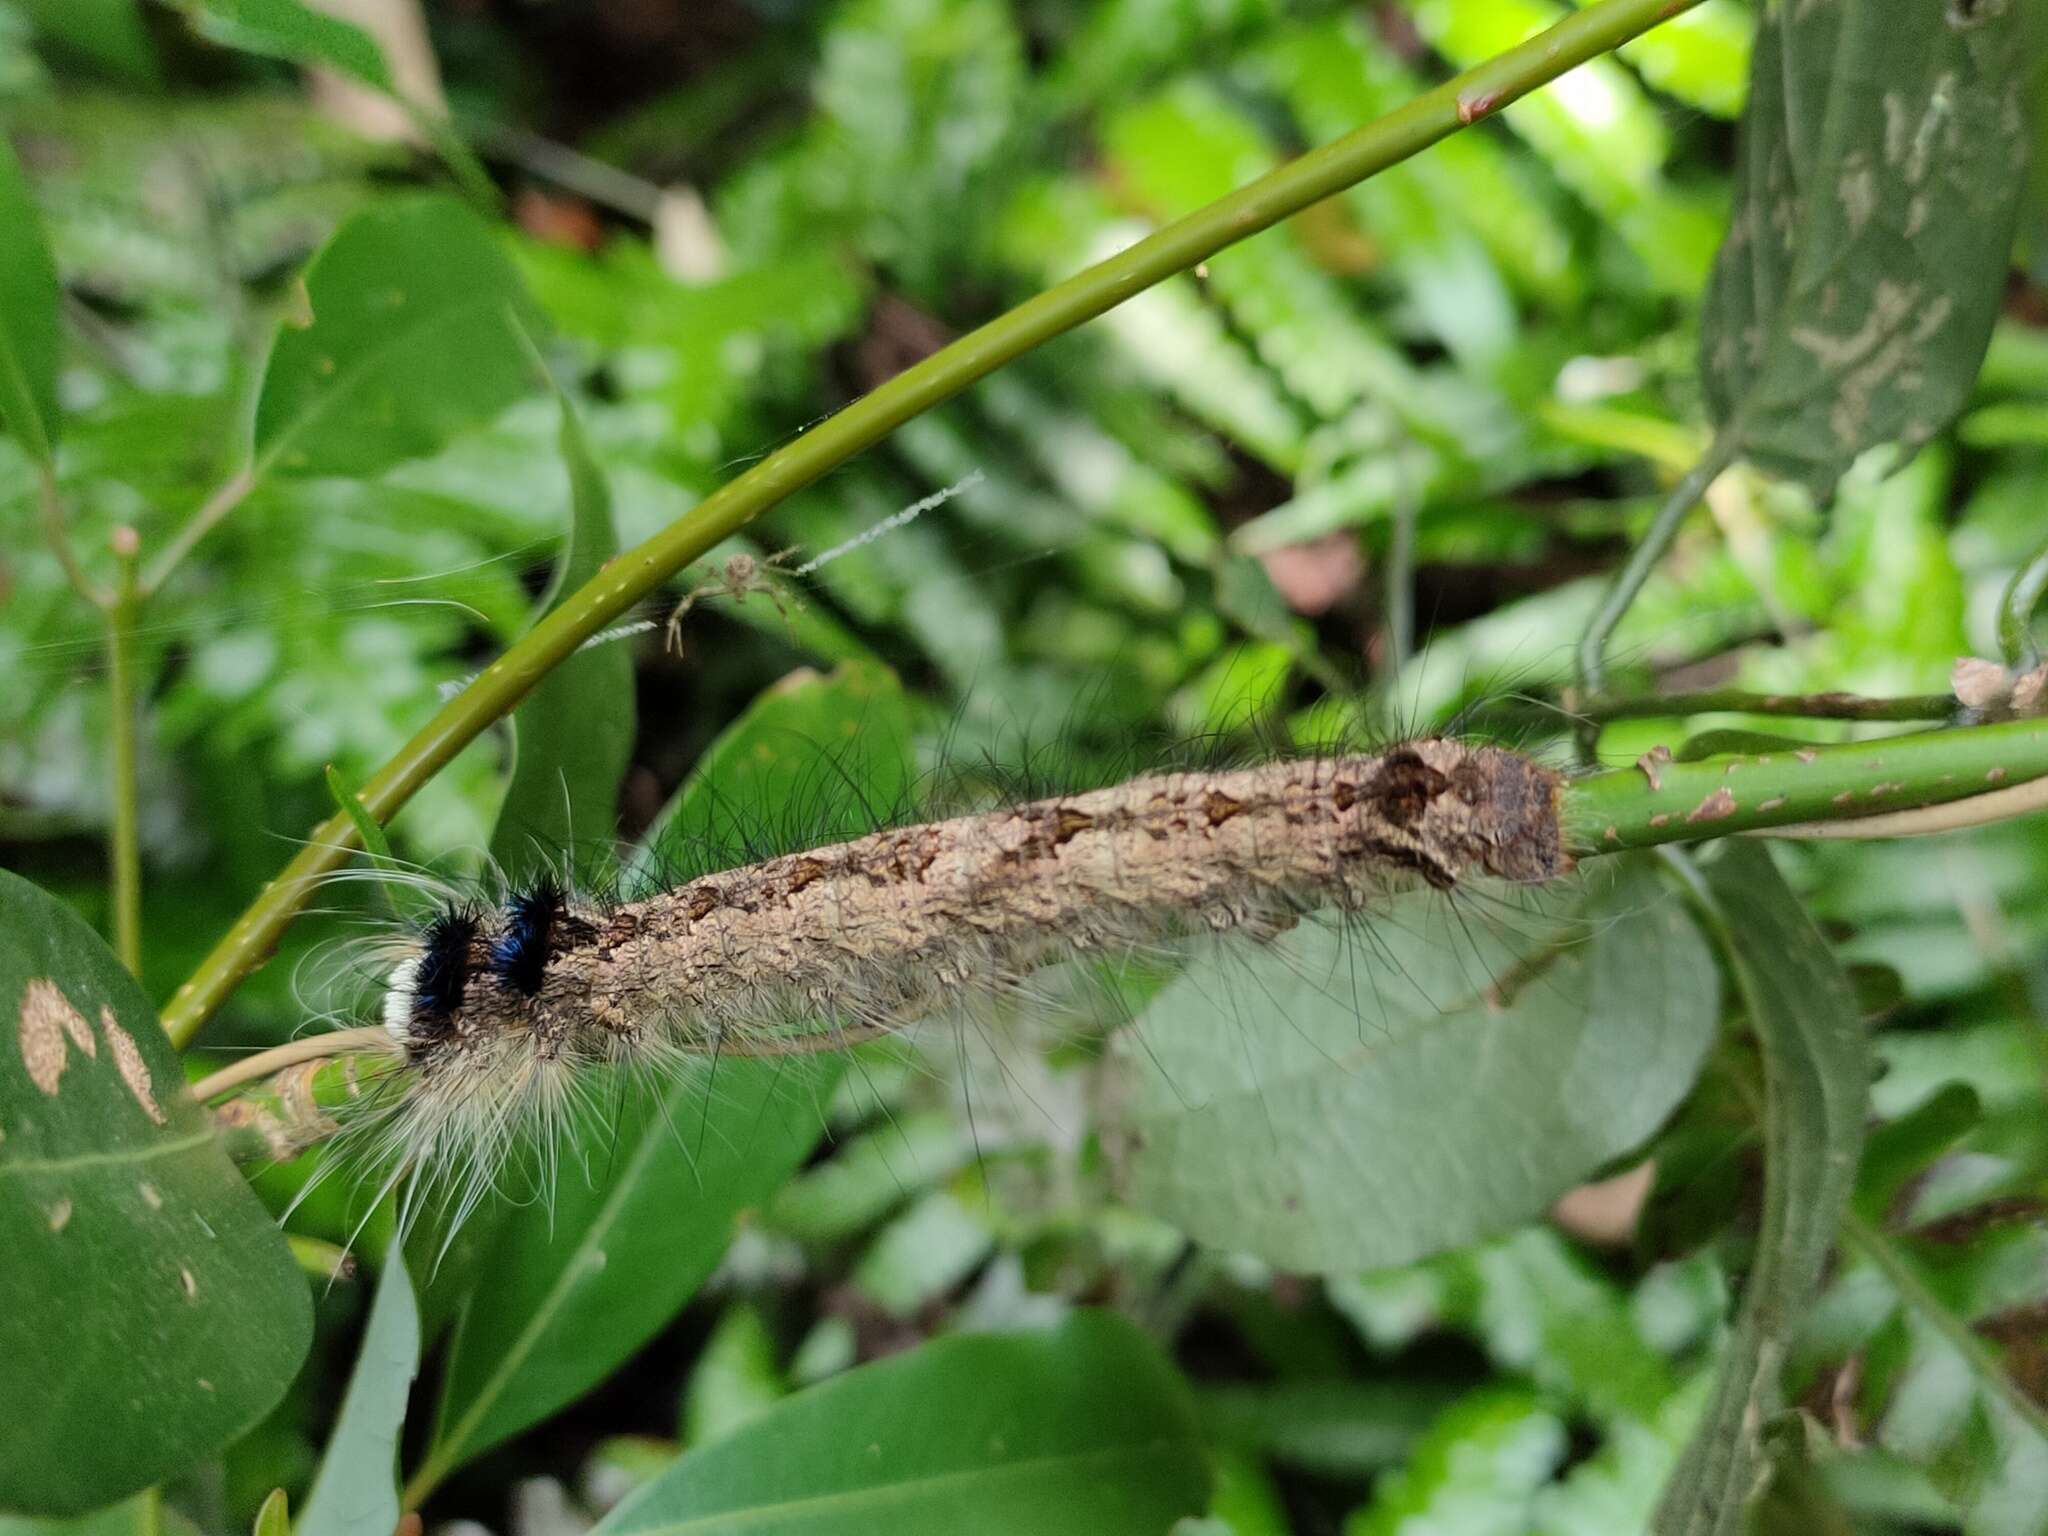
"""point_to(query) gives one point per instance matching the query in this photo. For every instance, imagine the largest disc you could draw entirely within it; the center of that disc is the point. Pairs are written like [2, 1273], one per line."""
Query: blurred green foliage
[1182, 518]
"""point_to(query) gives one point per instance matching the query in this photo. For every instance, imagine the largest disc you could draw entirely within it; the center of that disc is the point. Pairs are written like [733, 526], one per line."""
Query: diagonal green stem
[1435, 115]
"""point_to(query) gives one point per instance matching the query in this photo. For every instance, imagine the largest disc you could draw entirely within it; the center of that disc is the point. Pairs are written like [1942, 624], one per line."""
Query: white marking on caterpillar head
[398, 995]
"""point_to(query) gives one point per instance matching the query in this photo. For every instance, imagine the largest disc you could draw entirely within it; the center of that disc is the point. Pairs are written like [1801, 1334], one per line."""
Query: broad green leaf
[107, 32]
[1876, 192]
[647, 1201]
[1348, 1100]
[137, 1516]
[28, 318]
[416, 333]
[149, 1310]
[1816, 1093]
[286, 29]
[1474, 1472]
[1086, 1431]
[574, 732]
[356, 1491]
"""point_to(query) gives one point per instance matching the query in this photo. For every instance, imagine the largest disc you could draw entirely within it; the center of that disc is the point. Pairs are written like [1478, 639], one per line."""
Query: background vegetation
[1365, 470]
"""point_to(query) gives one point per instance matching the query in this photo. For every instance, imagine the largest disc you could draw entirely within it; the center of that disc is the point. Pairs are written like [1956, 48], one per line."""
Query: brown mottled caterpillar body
[497, 1013]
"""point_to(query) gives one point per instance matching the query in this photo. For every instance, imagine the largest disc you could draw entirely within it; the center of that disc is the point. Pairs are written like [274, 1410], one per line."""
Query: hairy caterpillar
[500, 1011]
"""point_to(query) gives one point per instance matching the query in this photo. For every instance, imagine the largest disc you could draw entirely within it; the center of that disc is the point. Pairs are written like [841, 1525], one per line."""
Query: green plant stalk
[1673, 802]
[1436, 114]
[1642, 560]
[1905, 709]
[124, 845]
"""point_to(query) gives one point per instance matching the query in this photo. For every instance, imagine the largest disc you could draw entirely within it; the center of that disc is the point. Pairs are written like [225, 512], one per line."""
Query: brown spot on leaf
[47, 1017]
[129, 1063]
[1993, 775]
[1771, 804]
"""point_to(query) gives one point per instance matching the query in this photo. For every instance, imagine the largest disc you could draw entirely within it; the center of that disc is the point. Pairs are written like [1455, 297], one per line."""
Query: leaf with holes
[149, 1310]
[413, 331]
[1881, 167]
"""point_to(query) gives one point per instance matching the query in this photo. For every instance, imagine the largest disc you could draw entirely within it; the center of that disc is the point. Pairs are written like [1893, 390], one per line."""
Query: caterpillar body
[498, 1013]
[501, 1017]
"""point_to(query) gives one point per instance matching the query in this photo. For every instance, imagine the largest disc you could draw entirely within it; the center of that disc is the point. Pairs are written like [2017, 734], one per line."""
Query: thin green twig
[50, 503]
[124, 841]
[1435, 115]
[1642, 560]
[1905, 709]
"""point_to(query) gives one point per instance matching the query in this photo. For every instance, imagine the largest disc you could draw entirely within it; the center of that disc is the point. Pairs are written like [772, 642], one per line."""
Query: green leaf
[1816, 1092]
[139, 1516]
[1350, 1100]
[356, 1492]
[1086, 1431]
[275, 1517]
[28, 318]
[416, 333]
[1878, 184]
[815, 758]
[574, 733]
[149, 1310]
[641, 1214]
[285, 29]
[109, 33]
[736, 1378]
[1473, 1472]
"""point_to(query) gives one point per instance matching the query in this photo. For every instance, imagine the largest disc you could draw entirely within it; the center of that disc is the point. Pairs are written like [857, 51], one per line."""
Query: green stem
[1736, 701]
[2016, 611]
[231, 494]
[125, 842]
[1642, 560]
[1435, 115]
[1673, 802]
